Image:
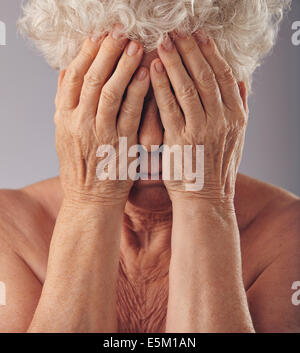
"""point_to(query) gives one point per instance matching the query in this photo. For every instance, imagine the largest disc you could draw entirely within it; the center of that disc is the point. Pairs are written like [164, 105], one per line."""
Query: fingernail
[159, 67]
[141, 74]
[133, 48]
[168, 44]
[117, 32]
[201, 37]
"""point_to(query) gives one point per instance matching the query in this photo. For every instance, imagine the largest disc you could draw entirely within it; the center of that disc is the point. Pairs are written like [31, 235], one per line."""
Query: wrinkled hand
[208, 107]
[92, 112]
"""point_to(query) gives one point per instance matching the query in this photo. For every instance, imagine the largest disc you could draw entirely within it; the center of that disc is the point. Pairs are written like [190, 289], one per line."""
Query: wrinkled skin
[32, 218]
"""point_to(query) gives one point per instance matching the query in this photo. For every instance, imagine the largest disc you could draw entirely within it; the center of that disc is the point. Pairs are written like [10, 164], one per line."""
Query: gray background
[28, 86]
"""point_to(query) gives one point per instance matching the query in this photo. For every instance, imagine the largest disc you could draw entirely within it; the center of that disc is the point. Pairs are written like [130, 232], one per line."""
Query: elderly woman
[85, 253]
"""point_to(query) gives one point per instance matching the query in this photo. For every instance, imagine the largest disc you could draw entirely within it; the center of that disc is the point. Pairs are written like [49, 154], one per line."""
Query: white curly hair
[244, 30]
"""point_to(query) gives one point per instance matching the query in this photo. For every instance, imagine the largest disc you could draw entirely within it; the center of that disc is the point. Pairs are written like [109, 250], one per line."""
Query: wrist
[83, 218]
[204, 205]
[202, 211]
[201, 218]
[92, 201]
[93, 207]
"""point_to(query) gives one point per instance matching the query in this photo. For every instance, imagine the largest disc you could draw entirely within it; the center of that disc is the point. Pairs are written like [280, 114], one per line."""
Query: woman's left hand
[208, 108]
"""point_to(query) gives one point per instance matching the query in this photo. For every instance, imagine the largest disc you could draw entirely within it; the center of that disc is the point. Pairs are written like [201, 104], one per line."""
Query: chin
[150, 194]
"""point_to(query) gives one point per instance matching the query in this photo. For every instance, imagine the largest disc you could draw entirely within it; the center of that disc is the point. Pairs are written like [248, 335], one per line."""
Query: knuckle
[188, 92]
[86, 54]
[208, 76]
[226, 75]
[235, 126]
[60, 116]
[240, 114]
[109, 96]
[72, 74]
[242, 121]
[170, 104]
[206, 79]
[129, 109]
[91, 80]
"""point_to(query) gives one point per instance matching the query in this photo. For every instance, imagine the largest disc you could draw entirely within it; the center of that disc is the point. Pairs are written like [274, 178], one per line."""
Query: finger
[61, 78]
[101, 69]
[73, 78]
[201, 73]
[59, 85]
[114, 89]
[131, 110]
[170, 112]
[243, 93]
[227, 83]
[182, 84]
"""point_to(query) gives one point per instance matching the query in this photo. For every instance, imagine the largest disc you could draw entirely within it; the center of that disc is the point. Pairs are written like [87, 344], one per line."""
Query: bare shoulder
[24, 224]
[271, 255]
[17, 211]
[27, 218]
[269, 219]
[263, 203]
[273, 219]
[23, 209]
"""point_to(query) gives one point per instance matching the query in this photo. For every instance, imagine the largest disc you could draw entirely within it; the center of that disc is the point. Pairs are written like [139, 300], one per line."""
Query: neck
[148, 212]
[145, 238]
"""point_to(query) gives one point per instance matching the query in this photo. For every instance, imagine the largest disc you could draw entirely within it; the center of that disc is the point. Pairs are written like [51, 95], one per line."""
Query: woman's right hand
[92, 111]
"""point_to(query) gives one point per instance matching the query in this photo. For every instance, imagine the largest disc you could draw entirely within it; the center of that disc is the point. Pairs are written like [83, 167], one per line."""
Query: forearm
[79, 294]
[206, 287]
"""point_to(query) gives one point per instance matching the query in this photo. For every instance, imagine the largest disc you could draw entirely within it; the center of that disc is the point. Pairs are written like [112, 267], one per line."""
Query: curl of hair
[244, 30]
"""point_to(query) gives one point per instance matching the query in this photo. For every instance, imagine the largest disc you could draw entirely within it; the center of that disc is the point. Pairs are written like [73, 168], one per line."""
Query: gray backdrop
[28, 86]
